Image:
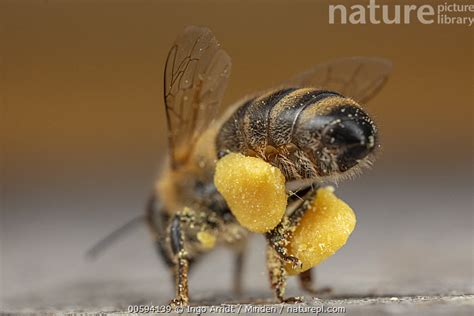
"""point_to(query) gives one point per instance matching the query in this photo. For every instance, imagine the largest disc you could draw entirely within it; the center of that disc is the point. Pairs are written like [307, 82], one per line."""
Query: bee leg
[278, 238]
[276, 273]
[239, 269]
[307, 283]
[277, 253]
[278, 276]
[306, 277]
[182, 263]
[277, 257]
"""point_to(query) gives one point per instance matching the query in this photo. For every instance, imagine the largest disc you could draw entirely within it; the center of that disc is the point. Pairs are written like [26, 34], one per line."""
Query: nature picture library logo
[372, 12]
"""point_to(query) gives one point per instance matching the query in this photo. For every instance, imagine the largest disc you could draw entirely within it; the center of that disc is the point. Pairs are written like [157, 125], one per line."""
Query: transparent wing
[196, 75]
[359, 78]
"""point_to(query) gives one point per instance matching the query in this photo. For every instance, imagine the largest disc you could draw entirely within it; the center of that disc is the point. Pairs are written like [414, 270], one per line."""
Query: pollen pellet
[253, 189]
[324, 229]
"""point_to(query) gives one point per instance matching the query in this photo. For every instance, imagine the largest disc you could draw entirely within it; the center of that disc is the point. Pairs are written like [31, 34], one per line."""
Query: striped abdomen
[302, 131]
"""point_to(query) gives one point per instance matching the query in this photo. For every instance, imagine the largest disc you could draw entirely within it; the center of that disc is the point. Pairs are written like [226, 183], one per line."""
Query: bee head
[347, 139]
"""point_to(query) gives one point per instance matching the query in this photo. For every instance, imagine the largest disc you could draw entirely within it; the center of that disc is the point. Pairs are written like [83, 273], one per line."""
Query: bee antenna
[114, 236]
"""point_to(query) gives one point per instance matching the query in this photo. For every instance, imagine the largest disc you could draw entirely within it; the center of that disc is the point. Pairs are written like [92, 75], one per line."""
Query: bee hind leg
[277, 257]
[278, 238]
[276, 273]
[307, 283]
[278, 276]
[277, 253]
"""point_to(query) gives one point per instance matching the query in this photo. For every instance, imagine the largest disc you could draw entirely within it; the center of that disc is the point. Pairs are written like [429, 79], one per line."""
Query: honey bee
[311, 127]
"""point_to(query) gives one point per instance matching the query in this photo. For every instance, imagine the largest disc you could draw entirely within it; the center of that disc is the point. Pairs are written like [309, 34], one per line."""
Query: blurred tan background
[83, 129]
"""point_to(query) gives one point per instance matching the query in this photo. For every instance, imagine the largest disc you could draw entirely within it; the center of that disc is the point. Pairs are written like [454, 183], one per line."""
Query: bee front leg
[182, 263]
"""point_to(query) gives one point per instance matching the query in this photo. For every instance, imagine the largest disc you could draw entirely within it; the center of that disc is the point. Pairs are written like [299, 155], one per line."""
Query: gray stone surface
[115, 299]
[411, 253]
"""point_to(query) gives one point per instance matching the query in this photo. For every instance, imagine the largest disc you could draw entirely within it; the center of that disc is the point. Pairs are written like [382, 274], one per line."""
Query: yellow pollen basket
[323, 230]
[256, 195]
[253, 189]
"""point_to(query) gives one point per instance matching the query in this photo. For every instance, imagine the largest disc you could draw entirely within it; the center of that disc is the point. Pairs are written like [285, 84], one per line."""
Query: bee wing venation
[359, 78]
[196, 75]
